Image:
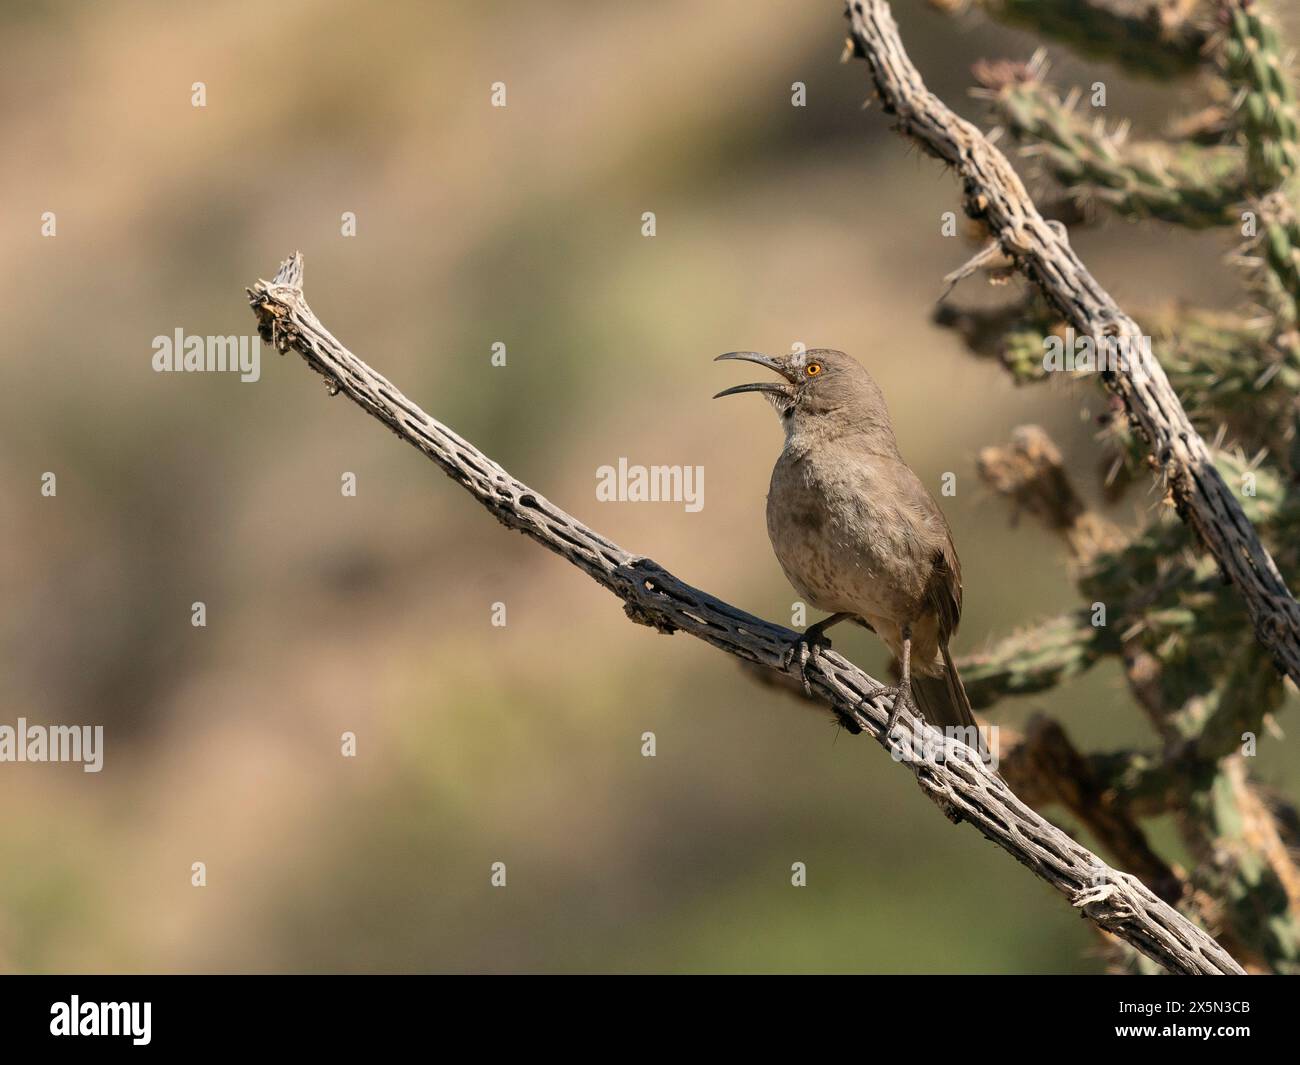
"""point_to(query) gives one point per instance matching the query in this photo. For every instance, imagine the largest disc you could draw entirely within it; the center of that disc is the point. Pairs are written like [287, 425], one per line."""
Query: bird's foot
[805, 650]
[900, 696]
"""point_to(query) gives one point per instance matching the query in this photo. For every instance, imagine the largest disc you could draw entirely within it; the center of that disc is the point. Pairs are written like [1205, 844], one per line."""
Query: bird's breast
[841, 538]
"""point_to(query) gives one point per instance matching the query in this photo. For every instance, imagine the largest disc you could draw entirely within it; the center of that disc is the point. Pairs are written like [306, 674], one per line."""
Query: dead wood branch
[951, 774]
[1046, 768]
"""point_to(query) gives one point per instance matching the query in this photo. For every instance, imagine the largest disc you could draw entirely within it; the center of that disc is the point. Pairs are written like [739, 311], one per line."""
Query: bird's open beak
[772, 387]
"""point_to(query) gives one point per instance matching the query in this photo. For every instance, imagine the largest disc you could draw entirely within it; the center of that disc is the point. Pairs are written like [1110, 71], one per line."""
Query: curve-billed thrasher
[855, 530]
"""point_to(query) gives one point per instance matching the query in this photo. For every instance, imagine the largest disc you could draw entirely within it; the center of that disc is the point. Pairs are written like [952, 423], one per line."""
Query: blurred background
[776, 225]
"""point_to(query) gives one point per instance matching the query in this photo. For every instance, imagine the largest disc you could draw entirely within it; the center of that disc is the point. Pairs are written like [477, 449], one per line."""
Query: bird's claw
[804, 650]
[900, 697]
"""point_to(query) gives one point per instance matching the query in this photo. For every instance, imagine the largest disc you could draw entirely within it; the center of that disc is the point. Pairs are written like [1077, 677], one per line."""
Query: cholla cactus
[1150, 599]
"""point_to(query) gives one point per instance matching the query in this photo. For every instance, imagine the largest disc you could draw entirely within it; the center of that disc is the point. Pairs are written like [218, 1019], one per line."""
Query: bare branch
[1045, 768]
[995, 194]
[950, 773]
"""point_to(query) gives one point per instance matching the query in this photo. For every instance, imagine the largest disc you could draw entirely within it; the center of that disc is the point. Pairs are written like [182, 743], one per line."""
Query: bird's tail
[943, 702]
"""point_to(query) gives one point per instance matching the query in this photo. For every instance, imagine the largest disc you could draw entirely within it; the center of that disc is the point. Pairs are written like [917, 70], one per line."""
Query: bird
[857, 533]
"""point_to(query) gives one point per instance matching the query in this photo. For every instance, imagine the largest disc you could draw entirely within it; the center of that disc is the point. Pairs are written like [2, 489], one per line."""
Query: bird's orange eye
[813, 369]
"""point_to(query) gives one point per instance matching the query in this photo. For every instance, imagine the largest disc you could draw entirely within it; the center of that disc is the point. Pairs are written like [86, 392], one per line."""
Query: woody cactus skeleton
[1193, 664]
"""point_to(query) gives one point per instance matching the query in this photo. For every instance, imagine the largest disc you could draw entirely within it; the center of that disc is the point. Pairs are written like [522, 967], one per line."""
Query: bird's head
[823, 390]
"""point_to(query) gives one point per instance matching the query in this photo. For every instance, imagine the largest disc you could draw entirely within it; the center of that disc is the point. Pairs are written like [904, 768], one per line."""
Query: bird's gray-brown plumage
[855, 531]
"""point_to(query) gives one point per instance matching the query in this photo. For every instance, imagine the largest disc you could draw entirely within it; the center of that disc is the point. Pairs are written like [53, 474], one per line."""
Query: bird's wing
[943, 700]
[920, 512]
[945, 588]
